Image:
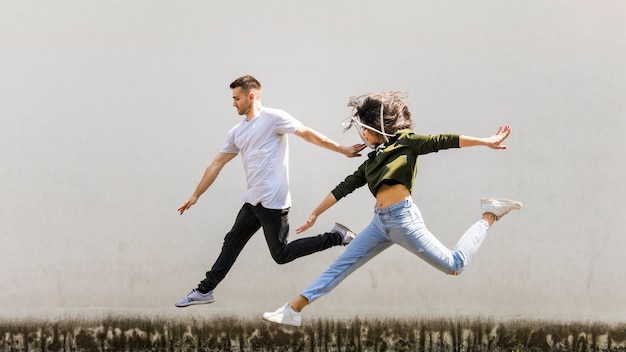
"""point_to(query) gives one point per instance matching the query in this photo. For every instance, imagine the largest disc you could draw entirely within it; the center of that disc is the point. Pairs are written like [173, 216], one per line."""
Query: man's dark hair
[246, 83]
[395, 111]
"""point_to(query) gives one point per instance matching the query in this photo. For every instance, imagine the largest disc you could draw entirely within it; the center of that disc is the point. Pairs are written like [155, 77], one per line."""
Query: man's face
[242, 101]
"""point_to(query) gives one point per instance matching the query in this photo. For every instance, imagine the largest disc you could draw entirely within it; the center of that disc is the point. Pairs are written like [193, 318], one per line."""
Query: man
[261, 139]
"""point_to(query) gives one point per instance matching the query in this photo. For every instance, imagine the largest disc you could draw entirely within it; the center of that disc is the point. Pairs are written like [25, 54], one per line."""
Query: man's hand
[188, 203]
[352, 151]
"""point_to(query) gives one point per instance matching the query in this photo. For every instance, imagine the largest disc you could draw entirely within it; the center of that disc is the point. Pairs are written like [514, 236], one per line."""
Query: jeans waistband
[394, 207]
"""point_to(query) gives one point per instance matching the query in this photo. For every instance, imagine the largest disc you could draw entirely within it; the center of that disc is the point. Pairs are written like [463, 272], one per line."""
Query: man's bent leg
[246, 224]
[275, 225]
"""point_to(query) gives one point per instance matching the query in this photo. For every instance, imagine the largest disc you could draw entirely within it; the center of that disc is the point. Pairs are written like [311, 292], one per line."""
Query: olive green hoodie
[395, 162]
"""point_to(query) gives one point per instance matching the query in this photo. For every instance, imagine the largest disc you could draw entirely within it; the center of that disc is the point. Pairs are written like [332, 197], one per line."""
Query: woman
[384, 122]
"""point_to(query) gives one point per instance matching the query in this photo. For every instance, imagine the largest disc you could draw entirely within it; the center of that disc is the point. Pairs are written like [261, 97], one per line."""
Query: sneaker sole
[194, 303]
[346, 228]
[504, 201]
[281, 322]
[353, 234]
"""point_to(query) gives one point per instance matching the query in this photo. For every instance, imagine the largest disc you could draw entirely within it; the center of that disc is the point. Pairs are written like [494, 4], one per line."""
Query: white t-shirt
[264, 149]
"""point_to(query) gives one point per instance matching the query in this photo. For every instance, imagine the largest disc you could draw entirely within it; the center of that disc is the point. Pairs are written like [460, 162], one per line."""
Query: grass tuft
[235, 334]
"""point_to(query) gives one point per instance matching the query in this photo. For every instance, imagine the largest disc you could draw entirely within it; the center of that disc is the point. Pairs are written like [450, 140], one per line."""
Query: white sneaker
[284, 315]
[499, 207]
[347, 235]
[195, 297]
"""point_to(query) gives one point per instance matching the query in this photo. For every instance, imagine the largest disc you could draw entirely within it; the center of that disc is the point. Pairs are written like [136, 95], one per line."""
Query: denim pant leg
[369, 243]
[275, 225]
[407, 229]
[469, 243]
[246, 224]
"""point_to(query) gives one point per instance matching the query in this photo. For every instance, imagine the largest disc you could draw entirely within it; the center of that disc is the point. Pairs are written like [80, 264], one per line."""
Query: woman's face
[372, 137]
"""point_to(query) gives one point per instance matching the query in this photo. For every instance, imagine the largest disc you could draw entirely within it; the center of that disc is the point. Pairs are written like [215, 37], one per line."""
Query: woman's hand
[326, 203]
[310, 222]
[494, 142]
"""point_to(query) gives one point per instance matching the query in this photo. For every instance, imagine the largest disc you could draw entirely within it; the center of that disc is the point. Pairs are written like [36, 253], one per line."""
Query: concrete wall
[110, 111]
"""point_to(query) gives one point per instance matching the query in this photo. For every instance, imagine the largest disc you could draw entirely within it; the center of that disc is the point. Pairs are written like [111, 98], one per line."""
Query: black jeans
[275, 225]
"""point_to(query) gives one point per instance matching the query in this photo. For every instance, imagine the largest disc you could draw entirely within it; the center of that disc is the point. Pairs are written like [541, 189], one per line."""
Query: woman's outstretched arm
[494, 142]
[326, 203]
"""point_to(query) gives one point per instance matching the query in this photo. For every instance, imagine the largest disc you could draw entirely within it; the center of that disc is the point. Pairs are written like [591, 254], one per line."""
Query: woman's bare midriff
[391, 194]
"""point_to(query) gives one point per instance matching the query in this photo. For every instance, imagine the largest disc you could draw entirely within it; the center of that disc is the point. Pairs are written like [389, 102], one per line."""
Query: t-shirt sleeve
[229, 144]
[285, 123]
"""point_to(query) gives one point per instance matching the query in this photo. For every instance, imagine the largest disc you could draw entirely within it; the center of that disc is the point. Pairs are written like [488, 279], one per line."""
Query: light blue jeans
[401, 224]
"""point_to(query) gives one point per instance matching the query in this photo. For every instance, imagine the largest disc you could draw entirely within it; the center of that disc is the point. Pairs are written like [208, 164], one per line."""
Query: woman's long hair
[396, 114]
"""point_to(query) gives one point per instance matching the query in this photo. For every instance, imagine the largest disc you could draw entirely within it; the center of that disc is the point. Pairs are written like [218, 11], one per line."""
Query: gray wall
[110, 111]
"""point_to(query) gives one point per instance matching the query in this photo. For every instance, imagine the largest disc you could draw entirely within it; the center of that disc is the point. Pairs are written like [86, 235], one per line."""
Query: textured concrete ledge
[236, 334]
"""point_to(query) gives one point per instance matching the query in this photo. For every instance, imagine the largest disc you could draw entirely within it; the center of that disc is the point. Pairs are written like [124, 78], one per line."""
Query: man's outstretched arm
[210, 174]
[312, 136]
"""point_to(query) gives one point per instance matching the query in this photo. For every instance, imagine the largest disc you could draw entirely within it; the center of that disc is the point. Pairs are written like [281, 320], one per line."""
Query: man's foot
[499, 207]
[195, 297]
[347, 235]
[284, 315]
